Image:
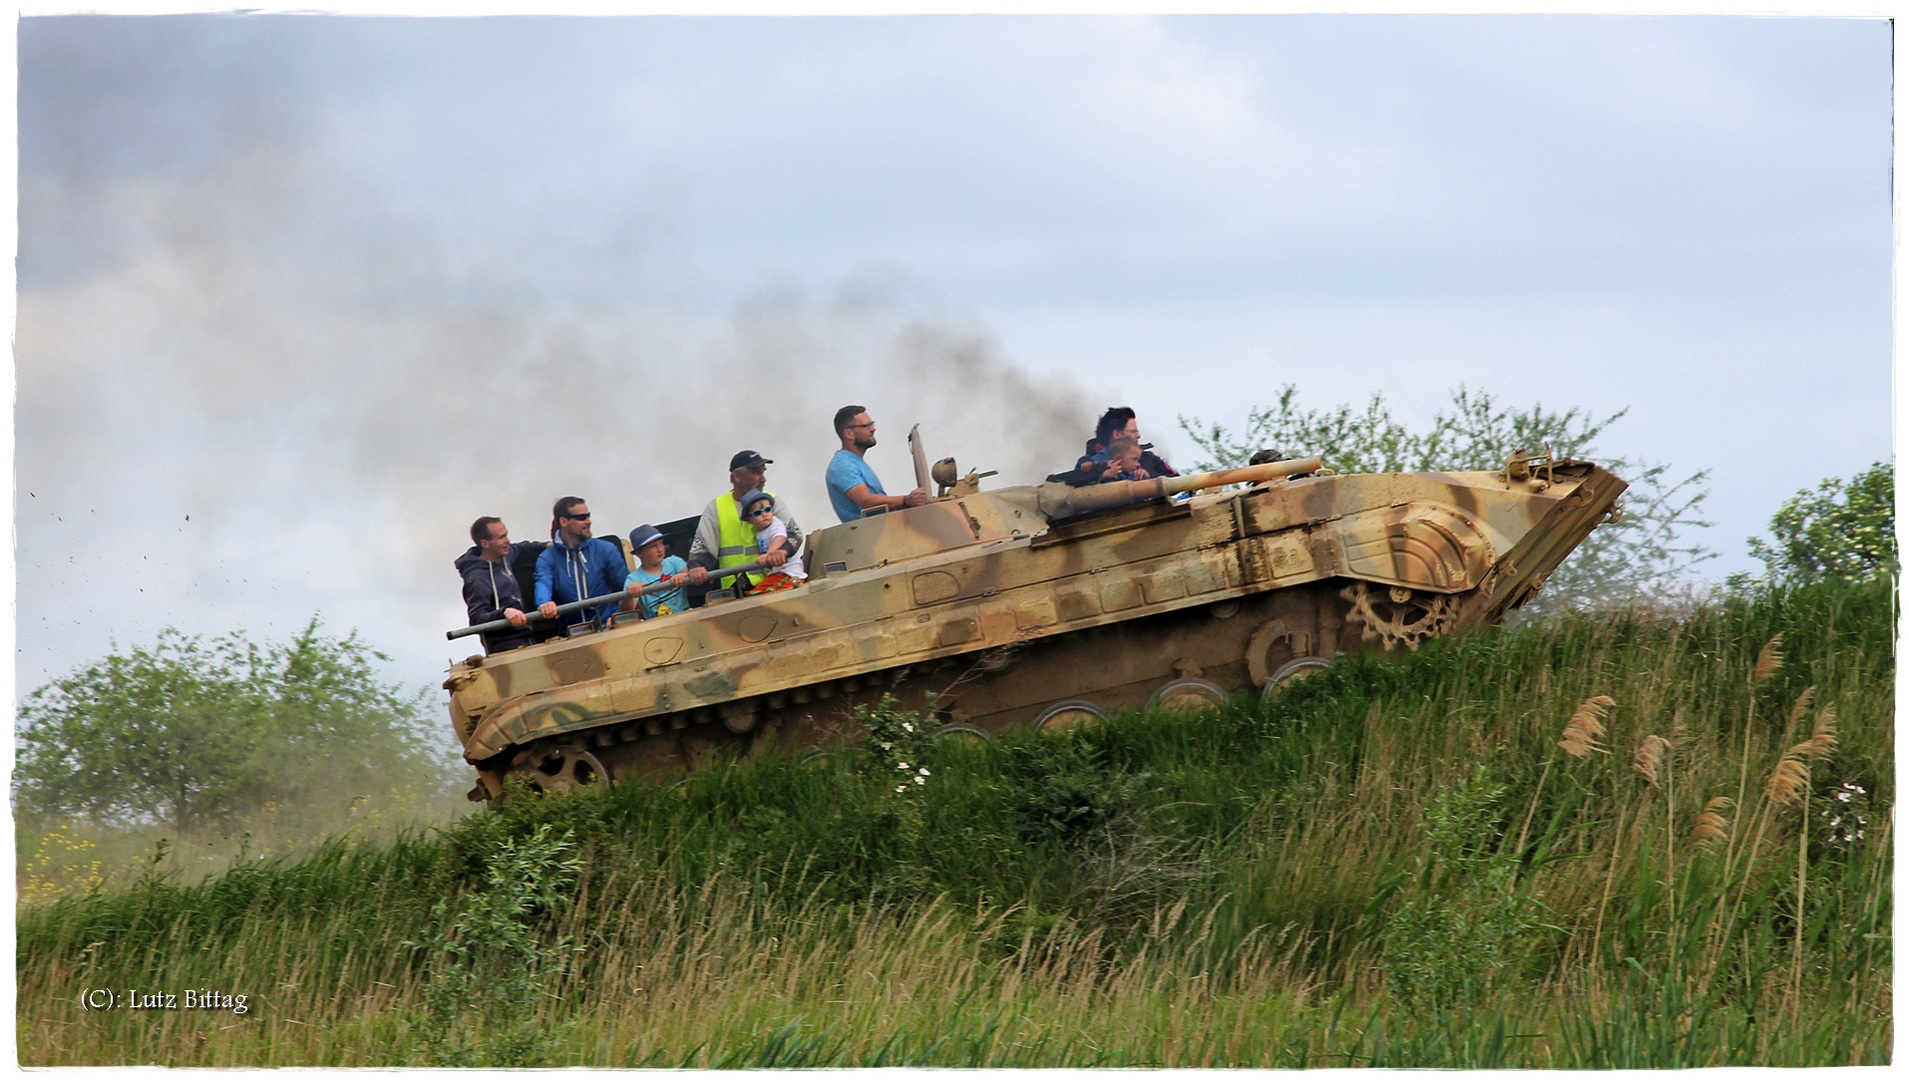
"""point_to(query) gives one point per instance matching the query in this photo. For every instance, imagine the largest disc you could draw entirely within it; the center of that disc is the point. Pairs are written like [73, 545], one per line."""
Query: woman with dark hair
[1119, 422]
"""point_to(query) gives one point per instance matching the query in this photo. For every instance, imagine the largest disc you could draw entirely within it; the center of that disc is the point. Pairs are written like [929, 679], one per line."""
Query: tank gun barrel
[1247, 474]
[594, 601]
[1060, 501]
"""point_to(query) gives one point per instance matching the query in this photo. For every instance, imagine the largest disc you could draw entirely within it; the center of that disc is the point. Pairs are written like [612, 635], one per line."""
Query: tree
[1837, 532]
[1641, 554]
[193, 732]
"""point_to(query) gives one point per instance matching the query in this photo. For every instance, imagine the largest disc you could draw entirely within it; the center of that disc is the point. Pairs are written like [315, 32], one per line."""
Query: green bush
[1468, 919]
[1839, 532]
[490, 961]
[194, 733]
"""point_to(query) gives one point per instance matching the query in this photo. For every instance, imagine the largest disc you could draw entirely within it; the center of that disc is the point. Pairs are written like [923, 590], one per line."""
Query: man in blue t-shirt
[853, 486]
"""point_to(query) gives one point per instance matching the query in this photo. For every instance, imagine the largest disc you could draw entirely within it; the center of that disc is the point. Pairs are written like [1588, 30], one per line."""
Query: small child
[653, 566]
[1123, 462]
[772, 536]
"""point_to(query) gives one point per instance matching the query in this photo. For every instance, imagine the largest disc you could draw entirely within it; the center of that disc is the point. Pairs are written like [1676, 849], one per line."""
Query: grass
[74, 857]
[1393, 863]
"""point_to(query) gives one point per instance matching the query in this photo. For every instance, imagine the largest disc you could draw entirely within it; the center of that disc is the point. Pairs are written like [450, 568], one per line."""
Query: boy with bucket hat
[652, 566]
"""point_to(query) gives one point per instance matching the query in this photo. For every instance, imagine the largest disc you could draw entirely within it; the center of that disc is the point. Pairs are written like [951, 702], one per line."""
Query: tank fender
[1430, 548]
[533, 716]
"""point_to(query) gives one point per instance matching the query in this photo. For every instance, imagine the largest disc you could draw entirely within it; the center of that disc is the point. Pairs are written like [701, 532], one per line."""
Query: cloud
[334, 287]
[290, 396]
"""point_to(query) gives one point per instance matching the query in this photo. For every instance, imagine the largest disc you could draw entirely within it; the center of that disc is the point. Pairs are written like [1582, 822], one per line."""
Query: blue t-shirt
[846, 469]
[662, 601]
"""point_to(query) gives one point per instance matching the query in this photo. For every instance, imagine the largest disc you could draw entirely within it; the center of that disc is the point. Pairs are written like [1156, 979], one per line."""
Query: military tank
[1042, 605]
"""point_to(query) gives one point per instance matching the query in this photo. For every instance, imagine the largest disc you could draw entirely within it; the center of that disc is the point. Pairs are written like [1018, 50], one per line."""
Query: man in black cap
[723, 538]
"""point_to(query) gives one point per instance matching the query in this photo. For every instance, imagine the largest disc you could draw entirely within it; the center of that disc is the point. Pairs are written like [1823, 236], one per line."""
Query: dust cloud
[256, 381]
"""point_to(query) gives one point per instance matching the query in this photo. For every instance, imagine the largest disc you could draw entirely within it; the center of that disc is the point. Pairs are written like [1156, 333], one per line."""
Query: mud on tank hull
[1003, 614]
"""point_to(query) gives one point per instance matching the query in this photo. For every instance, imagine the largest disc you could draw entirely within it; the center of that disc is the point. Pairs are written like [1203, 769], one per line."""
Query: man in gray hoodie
[491, 589]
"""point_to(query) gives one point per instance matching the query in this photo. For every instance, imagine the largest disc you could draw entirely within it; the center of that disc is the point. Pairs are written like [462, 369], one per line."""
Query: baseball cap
[644, 534]
[749, 459]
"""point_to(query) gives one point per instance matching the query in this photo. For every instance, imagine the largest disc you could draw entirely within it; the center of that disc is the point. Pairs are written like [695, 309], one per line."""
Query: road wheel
[1297, 668]
[1069, 715]
[567, 768]
[1189, 694]
[963, 733]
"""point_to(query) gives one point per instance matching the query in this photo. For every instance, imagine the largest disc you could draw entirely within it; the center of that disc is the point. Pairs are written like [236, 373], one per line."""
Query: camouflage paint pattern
[1224, 588]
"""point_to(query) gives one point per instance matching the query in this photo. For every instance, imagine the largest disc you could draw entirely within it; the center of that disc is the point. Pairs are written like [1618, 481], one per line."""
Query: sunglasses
[578, 517]
[761, 512]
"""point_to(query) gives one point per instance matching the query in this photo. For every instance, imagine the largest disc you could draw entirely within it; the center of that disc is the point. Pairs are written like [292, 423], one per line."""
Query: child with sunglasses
[772, 536]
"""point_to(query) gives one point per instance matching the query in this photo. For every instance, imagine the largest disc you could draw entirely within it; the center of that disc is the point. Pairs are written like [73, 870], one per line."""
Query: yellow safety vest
[737, 537]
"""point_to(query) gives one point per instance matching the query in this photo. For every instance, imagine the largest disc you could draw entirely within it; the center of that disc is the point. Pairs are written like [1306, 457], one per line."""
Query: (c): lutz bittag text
[97, 999]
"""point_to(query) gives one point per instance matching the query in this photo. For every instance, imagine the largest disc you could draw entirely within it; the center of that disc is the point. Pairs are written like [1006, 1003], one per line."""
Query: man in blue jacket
[576, 566]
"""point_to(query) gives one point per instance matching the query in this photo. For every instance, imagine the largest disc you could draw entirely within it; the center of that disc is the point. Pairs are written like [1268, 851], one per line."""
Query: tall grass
[73, 857]
[1271, 884]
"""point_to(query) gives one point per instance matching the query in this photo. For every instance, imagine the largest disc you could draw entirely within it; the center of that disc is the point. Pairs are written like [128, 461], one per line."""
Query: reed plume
[1802, 705]
[1786, 781]
[1711, 825]
[1586, 727]
[1679, 731]
[1580, 737]
[1791, 777]
[1649, 756]
[1769, 658]
[1823, 738]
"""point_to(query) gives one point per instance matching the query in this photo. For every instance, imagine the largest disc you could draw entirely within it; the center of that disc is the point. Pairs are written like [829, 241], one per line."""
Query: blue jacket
[598, 564]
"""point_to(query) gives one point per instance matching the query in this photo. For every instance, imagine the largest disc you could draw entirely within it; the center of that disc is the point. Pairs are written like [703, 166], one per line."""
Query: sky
[298, 297]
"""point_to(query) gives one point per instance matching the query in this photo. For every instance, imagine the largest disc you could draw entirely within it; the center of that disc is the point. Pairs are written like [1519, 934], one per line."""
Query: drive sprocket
[1397, 615]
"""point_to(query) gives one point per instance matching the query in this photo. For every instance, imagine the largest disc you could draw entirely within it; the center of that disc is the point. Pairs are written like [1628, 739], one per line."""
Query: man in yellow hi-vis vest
[722, 537]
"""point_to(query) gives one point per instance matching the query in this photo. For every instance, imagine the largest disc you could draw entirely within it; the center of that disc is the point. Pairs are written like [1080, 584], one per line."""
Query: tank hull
[990, 613]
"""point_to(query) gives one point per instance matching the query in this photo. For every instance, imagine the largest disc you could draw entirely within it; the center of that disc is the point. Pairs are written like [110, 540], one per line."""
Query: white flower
[924, 771]
[906, 726]
[888, 746]
[902, 765]
[901, 789]
[920, 780]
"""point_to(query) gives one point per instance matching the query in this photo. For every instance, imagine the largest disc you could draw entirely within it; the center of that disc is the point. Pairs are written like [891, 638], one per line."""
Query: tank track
[1227, 646]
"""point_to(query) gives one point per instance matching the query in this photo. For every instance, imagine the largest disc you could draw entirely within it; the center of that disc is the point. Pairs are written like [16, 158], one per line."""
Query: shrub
[1841, 532]
[1468, 919]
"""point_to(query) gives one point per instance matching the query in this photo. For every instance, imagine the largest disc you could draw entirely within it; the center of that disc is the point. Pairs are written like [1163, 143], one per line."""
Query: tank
[1034, 606]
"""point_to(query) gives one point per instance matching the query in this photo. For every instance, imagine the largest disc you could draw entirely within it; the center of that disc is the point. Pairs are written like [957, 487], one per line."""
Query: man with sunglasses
[854, 489]
[723, 538]
[578, 566]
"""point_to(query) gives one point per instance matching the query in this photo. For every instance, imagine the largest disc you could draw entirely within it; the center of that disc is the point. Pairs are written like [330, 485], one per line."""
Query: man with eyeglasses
[723, 538]
[854, 488]
[578, 566]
